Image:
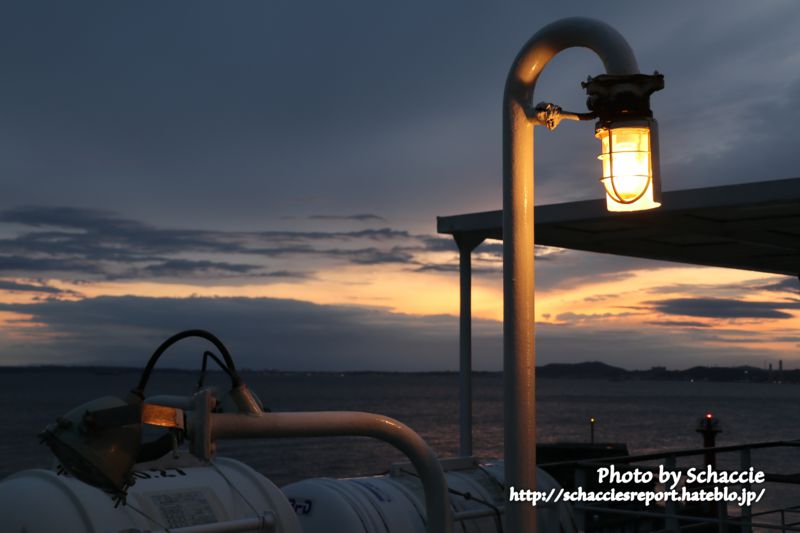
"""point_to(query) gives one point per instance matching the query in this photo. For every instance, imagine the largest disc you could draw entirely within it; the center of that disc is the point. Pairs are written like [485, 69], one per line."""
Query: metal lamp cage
[640, 159]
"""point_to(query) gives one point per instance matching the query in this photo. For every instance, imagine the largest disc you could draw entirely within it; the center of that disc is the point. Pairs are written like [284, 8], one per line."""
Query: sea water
[648, 416]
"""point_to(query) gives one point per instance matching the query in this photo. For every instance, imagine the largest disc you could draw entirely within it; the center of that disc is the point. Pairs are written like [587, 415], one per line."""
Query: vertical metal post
[722, 513]
[709, 426]
[519, 357]
[466, 243]
[670, 508]
[747, 511]
[580, 481]
[465, 355]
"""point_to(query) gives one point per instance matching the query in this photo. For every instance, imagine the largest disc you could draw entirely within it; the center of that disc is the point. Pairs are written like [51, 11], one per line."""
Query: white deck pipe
[439, 517]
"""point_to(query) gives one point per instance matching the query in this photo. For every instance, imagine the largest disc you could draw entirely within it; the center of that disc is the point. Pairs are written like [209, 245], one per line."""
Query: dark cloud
[219, 116]
[760, 135]
[287, 274]
[296, 335]
[729, 339]
[261, 332]
[183, 267]
[13, 286]
[787, 338]
[599, 298]
[440, 244]
[374, 256]
[36, 265]
[572, 268]
[790, 285]
[724, 308]
[79, 243]
[97, 242]
[358, 218]
[454, 268]
[729, 290]
[570, 316]
[679, 323]
[102, 223]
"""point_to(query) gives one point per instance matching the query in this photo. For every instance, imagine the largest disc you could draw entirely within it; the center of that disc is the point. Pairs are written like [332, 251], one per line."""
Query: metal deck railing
[676, 517]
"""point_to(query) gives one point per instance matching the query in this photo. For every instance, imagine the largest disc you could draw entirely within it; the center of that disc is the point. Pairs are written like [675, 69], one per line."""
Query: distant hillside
[597, 370]
[587, 370]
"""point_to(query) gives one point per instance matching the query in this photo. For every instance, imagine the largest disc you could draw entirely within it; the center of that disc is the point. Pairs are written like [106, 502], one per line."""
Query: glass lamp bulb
[627, 168]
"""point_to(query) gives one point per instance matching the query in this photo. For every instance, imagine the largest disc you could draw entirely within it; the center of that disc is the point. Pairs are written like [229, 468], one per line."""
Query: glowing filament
[627, 168]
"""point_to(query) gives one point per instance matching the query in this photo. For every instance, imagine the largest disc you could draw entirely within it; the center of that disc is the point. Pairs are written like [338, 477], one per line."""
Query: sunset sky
[272, 172]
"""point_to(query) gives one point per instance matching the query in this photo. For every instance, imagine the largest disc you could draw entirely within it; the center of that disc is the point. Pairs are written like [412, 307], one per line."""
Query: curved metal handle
[341, 424]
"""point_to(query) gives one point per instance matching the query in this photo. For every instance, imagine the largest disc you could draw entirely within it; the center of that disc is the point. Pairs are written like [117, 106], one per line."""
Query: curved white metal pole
[519, 358]
[439, 517]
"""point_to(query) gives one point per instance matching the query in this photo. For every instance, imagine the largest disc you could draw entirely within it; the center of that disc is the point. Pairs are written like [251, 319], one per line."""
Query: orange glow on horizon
[624, 302]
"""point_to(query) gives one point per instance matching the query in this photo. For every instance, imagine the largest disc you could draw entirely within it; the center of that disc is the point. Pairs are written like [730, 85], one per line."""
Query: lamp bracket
[621, 97]
[550, 115]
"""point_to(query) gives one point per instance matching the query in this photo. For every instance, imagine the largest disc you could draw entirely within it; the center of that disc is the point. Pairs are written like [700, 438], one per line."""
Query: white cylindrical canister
[163, 497]
[394, 503]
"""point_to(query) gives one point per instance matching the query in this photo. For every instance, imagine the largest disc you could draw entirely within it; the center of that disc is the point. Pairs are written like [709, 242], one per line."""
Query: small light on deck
[629, 159]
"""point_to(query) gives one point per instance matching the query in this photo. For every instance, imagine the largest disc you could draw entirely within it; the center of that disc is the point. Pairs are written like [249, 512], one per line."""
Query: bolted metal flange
[622, 97]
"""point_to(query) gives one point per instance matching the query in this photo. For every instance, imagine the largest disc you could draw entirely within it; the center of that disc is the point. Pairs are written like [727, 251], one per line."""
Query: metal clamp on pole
[550, 115]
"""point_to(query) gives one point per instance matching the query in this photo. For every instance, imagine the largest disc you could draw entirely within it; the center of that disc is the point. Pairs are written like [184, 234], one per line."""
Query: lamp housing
[630, 164]
[96, 454]
[628, 136]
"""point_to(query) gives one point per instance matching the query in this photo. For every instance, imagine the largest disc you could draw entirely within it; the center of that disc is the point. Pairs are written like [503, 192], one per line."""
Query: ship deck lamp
[628, 174]
[619, 101]
[628, 136]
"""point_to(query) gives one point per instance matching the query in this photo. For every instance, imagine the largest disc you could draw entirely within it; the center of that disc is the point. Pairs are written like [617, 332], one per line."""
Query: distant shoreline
[586, 370]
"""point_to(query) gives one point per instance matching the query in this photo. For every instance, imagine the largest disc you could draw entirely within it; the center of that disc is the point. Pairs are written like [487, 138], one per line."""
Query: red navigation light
[709, 416]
